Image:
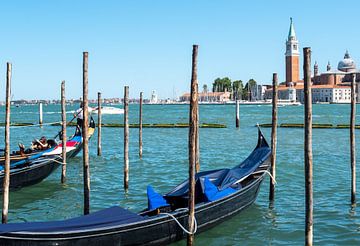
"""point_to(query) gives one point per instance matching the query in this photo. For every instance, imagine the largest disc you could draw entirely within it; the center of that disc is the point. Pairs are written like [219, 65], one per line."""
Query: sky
[147, 45]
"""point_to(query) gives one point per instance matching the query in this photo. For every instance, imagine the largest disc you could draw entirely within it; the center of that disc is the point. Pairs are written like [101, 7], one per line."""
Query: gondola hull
[161, 230]
[30, 175]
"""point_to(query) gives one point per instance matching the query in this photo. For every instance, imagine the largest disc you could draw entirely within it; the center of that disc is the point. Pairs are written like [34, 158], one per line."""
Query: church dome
[347, 64]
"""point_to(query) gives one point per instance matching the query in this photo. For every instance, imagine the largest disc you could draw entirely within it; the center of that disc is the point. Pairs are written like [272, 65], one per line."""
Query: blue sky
[147, 44]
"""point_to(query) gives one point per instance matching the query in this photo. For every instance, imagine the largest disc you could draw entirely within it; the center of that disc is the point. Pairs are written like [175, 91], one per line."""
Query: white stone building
[154, 97]
[334, 94]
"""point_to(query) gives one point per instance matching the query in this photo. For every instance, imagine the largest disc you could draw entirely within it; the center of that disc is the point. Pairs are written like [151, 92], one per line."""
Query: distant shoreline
[280, 103]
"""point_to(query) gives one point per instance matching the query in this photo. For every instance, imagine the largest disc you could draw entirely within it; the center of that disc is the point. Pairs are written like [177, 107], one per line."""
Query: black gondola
[36, 167]
[159, 226]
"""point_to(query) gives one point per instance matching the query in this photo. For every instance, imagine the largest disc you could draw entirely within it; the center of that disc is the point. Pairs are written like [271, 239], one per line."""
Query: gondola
[36, 167]
[23, 154]
[159, 224]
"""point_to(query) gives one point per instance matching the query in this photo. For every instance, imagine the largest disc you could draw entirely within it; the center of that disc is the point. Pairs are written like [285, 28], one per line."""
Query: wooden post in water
[40, 114]
[193, 123]
[197, 164]
[6, 181]
[99, 152]
[140, 125]
[126, 138]
[308, 156]
[63, 137]
[86, 166]
[273, 137]
[352, 142]
[237, 121]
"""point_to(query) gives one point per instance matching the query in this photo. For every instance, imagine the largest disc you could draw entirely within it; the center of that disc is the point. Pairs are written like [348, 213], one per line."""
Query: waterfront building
[331, 86]
[154, 97]
[208, 97]
[260, 92]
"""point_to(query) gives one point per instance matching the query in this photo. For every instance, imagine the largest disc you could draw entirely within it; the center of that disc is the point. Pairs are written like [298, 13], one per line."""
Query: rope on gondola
[180, 225]
[54, 160]
[267, 172]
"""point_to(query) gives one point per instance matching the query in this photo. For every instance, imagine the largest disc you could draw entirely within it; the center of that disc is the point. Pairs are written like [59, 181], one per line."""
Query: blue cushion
[155, 200]
[212, 193]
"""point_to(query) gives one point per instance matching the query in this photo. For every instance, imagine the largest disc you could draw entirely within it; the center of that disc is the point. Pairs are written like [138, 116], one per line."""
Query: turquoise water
[164, 165]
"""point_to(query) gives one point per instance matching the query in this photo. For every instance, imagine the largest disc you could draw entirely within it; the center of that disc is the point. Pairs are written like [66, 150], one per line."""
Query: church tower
[316, 69]
[292, 56]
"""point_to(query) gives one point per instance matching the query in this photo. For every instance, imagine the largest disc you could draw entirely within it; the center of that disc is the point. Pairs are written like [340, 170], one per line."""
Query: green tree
[221, 85]
[216, 85]
[249, 90]
[205, 88]
[237, 89]
[226, 84]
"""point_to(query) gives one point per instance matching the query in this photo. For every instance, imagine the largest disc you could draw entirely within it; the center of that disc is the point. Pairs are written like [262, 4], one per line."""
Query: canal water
[165, 162]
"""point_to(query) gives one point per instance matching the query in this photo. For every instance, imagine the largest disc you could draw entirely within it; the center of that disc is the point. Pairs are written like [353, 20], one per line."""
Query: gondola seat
[212, 193]
[155, 200]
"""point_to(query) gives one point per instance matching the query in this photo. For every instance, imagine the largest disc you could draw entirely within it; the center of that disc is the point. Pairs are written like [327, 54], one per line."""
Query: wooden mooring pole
[6, 181]
[85, 126]
[273, 137]
[140, 126]
[193, 122]
[126, 138]
[99, 152]
[63, 132]
[237, 120]
[352, 142]
[308, 156]
[40, 114]
[197, 164]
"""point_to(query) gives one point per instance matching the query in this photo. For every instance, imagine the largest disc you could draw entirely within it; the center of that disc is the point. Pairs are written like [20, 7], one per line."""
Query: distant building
[292, 56]
[332, 86]
[154, 97]
[260, 92]
[208, 97]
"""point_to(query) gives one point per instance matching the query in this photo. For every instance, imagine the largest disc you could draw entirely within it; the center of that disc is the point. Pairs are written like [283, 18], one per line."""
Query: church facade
[331, 86]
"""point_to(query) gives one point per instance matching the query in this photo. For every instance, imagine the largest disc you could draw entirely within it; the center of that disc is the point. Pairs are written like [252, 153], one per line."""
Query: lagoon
[164, 165]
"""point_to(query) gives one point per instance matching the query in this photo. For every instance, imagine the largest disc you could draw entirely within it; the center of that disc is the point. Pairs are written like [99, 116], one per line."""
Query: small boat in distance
[288, 103]
[220, 194]
[107, 110]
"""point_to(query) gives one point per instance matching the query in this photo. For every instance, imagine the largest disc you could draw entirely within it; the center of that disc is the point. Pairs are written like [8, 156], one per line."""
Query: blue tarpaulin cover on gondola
[155, 200]
[212, 193]
[221, 178]
[105, 218]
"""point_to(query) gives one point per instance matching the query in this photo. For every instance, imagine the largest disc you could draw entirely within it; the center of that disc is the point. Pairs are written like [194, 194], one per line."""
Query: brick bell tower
[292, 56]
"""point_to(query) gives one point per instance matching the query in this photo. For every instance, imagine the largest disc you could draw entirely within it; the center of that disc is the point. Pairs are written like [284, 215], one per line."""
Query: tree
[226, 84]
[249, 92]
[216, 85]
[237, 88]
[205, 88]
[222, 85]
